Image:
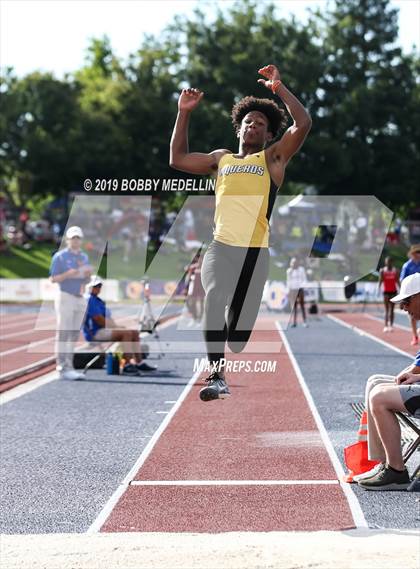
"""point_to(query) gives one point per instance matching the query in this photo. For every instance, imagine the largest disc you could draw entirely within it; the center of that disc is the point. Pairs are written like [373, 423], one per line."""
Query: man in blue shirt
[388, 394]
[411, 267]
[70, 269]
[100, 327]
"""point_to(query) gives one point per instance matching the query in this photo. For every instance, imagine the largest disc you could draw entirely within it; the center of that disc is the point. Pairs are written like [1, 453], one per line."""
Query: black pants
[233, 279]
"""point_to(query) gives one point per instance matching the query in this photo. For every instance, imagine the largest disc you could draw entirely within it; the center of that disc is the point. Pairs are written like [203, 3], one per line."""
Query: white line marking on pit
[109, 506]
[161, 412]
[170, 402]
[371, 336]
[27, 387]
[233, 482]
[355, 508]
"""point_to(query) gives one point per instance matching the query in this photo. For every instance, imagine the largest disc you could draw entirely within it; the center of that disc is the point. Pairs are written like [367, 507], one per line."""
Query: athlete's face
[254, 129]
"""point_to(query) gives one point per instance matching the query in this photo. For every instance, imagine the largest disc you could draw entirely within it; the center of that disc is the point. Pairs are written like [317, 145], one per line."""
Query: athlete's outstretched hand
[271, 73]
[189, 99]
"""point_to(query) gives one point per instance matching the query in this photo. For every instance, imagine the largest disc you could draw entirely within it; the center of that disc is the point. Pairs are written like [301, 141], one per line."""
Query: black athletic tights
[233, 278]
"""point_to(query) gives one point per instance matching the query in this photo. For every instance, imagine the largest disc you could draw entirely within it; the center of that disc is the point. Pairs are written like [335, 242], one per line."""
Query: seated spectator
[100, 327]
[411, 267]
[384, 396]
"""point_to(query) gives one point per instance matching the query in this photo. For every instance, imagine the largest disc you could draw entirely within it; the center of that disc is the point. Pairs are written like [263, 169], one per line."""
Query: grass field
[34, 263]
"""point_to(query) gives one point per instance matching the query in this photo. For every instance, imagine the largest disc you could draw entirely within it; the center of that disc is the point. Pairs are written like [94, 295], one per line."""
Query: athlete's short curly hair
[277, 118]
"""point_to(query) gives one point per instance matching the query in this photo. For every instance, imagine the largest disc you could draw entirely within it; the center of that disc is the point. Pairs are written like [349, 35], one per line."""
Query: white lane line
[400, 326]
[20, 333]
[233, 482]
[35, 326]
[26, 347]
[34, 366]
[112, 502]
[355, 508]
[18, 317]
[27, 387]
[30, 345]
[371, 336]
[25, 324]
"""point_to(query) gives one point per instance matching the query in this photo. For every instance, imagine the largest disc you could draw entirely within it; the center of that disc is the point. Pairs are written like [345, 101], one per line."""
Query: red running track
[27, 347]
[264, 432]
[399, 338]
[19, 332]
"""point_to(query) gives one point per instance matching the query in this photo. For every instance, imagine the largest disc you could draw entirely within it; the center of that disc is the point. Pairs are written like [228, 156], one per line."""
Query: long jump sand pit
[351, 549]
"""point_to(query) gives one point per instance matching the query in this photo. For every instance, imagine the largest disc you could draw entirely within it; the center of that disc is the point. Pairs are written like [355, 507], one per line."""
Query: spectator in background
[195, 290]
[71, 270]
[296, 280]
[411, 267]
[23, 220]
[100, 327]
[385, 395]
[389, 279]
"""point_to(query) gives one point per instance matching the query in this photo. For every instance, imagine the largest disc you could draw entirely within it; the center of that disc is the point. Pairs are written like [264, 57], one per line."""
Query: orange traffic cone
[356, 455]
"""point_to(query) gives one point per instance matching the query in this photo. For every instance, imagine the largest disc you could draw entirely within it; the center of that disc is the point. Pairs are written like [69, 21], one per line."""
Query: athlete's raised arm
[180, 157]
[295, 135]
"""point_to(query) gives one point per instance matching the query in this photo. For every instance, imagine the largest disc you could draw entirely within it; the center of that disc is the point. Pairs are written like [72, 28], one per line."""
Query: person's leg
[68, 307]
[246, 301]
[386, 307]
[376, 450]
[218, 278]
[391, 314]
[384, 401]
[63, 323]
[78, 306]
[413, 323]
[293, 301]
[130, 343]
[200, 301]
[301, 297]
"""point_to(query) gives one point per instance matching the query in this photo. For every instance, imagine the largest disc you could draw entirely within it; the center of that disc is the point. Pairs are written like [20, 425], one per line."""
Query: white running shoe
[369, 473]
[386, 329]
[72, 374]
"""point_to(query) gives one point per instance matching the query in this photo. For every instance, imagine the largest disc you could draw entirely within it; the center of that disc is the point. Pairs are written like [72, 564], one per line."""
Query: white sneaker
[305, 325]
[386, 329]
[369, 473]
[72, 374]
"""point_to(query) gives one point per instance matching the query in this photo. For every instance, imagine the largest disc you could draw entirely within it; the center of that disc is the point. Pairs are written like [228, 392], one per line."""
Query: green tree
[365, 136]
[39, 133]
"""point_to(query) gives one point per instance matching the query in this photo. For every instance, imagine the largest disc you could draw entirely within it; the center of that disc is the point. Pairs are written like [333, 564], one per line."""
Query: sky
[52, 35]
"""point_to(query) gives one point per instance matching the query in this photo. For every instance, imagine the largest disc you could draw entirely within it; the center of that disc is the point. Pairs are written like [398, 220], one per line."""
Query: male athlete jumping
[235, 266]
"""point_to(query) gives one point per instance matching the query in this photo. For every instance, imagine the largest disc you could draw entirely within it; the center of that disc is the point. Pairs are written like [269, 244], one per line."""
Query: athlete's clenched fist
[189, 99]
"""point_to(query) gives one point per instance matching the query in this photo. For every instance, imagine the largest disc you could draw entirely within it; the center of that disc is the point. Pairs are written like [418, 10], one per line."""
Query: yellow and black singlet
[245, 195]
